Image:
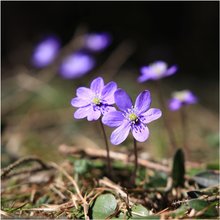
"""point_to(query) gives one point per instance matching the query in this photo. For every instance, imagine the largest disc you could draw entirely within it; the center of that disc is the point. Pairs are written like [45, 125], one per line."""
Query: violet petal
[142, 134]
[79, 102]
[120, 133]
[97, 85]
[151, 115]
[108, 92]
[174, 104]
[143, 102]
[122, 100]
[113, 119]
[84, 93]
[82, 112]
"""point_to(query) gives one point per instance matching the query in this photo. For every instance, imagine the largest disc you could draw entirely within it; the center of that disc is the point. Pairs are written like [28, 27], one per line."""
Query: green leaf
[81, 166]
[159, 179]
[178, 170]
[139, 211]
[213, 166]
[104, 206]
[180, 211]
[199, 205]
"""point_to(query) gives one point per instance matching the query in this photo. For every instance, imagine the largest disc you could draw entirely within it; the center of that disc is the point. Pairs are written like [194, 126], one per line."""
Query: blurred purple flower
[155, 71]
[181, 98]
[131, 118]
[76, 65]
[94, 101]
[97, 41]
[45, 52]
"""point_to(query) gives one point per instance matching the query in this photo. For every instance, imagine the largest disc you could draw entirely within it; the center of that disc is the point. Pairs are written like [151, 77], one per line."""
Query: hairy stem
[135, 161]
[109, 167]
[166, 122]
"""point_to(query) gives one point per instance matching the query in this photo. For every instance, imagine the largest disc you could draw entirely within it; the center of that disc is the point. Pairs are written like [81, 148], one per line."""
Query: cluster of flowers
[98, 101]
[81, 62]
[76, 64]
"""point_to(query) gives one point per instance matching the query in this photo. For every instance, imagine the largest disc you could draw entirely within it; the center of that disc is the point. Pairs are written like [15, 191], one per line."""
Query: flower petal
[113, 119]
[107, 109]
[171, 70]
[151, 115]
[97, 85]
[78, 102]
[140, 133]
[93, 115]
[108, 92]
[174, 104]
[143, 102]
[121, 133]
[146, 74]
[122, 100]
[191, 98]
[82, 112]
[84, 93]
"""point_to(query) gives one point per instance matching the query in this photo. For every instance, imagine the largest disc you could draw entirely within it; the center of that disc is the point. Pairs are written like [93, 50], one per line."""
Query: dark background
[183, 33]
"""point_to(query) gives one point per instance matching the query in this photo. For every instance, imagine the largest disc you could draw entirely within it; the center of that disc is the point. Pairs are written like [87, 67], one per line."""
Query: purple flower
[182, 98]
[131, 118]
[76, 65]
[94, 101]
[155, 71]
[45, 52]
[97, 41]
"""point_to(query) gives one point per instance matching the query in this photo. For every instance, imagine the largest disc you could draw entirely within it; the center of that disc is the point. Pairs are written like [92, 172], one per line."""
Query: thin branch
[97, 152]
[23, 160]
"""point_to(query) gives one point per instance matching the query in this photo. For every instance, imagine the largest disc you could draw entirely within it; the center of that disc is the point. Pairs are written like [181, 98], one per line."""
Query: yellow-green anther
[96, 101]
[132, 117]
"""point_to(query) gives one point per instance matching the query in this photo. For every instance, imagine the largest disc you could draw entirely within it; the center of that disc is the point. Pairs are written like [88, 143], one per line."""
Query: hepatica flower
[181, 98]
[76, 65]
[97, 41]
[155, 71]
[45, 52]
[94, 101]
[131, 118]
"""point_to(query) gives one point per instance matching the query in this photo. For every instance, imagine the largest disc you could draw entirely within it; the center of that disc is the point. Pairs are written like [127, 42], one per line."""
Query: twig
[97, 152]
[17, 163]
[106, 182]
[85, 204]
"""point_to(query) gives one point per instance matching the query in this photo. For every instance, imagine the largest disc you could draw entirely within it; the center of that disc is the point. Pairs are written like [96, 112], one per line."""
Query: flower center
[133, 117]
[181, 95]
[96, 101]
[159, 68]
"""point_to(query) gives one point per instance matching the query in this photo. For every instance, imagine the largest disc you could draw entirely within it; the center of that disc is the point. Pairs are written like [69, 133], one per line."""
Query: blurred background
[36, 113]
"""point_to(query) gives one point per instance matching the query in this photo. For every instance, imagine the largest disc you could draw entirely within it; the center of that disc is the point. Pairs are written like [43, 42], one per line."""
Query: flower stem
[166, 122]
[184, 129]
[109, 167]
[135, 162]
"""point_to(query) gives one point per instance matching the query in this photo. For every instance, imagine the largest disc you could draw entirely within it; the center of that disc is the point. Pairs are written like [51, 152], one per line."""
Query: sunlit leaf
[202, 205]
[104, 206]
[139, 211]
